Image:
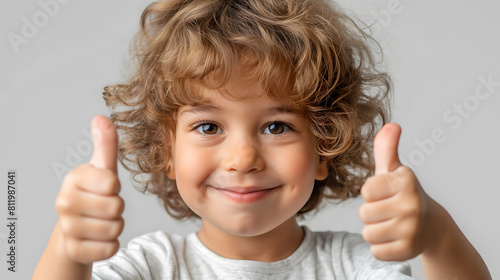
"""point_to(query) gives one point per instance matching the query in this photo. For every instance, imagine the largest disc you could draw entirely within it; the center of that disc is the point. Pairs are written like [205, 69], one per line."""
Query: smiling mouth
[245, 194]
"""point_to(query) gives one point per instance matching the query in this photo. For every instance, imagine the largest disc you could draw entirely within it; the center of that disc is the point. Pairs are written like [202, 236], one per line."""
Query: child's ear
[321, 170]
[170, 169]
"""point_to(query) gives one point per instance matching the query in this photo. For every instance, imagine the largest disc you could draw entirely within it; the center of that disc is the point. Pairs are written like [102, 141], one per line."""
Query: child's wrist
[439, 229]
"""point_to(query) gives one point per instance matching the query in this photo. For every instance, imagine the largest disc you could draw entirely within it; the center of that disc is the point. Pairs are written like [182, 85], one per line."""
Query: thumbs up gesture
[89, 207]
[396, 209]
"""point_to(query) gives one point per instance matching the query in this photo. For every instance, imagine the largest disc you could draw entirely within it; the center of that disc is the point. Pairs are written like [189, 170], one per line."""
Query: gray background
[437, 52]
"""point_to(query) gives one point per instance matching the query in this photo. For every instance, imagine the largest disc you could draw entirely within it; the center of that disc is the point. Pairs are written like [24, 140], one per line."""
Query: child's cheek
[298, 164]
[192, 169]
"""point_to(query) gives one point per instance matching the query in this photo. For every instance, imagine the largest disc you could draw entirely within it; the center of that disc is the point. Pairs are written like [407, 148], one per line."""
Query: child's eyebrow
[285, 110]
[206, 108]
[196, 109]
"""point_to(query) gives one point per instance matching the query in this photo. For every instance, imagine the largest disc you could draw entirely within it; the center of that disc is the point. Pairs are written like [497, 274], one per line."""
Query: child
[247, 114]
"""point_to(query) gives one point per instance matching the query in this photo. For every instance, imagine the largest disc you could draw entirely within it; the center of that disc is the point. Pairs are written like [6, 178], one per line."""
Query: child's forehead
[232, 93]
[240, 86]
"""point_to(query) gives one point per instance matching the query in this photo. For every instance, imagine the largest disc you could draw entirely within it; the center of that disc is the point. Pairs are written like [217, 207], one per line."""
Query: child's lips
[245, 194]
[244, 190]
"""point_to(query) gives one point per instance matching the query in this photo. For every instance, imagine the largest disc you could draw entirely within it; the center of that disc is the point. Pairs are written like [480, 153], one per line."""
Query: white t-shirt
[322, 255]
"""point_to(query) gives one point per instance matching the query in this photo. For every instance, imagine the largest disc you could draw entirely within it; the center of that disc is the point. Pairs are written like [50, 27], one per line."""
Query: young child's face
[244, 165]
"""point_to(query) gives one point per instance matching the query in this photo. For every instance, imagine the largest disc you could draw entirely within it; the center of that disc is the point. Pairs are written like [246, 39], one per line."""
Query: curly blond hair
[309, 46]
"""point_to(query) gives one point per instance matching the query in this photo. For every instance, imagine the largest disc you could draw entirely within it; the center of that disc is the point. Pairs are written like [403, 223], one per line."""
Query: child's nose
[243, 157]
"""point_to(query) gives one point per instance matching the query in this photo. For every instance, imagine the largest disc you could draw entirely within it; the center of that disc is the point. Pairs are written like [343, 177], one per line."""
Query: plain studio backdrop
[56, 57]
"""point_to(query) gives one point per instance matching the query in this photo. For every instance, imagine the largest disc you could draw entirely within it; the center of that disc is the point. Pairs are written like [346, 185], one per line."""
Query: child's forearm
[56, 264]
[452, 256]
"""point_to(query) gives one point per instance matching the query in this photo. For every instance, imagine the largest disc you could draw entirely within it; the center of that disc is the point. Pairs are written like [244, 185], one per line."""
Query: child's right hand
[90, 209]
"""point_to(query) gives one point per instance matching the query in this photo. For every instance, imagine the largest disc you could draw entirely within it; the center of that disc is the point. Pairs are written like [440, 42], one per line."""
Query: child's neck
[271, 246]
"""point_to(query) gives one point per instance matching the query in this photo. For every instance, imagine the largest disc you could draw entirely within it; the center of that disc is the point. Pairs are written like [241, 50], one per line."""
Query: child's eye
[208, 128]
[276, 128]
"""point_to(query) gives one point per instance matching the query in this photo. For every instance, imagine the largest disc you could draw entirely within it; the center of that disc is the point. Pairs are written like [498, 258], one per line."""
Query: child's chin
[250, 227]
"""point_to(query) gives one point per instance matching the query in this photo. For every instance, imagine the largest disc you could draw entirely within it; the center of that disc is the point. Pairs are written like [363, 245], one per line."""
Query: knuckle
[118, 185]
[377, 252]
[366, 189]
[110, 175]
[61, 205]
[112, 229]
[406, 171]
[120, 226]
[116, 207]
[117, 228]
[121, 206]
[64, 203]
[70, 177]
[88, 253]
[363, 213]
[110, 182]
[67, 226]
[109, 249]
[367, 234]
[406, 178]
[74, 249]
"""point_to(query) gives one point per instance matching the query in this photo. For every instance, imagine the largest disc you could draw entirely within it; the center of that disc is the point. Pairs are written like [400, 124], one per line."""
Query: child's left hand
[397, 210]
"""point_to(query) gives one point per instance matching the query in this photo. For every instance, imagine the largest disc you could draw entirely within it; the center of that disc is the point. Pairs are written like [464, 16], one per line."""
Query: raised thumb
[385, 149]
[105, 140]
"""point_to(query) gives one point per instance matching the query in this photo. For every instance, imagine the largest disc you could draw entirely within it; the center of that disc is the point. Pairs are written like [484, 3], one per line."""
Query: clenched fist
[89, 207]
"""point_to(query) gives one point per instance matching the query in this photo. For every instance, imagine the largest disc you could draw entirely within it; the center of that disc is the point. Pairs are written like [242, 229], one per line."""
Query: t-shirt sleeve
[359, 263]
[146, 257]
